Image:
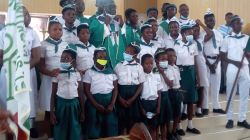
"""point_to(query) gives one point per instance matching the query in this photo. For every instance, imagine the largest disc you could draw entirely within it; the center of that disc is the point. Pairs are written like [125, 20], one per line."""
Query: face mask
[163, 64]
[102, 62]
[182, 17]
[111, 16]
[189, 38]
[65, 65]
[127, 57]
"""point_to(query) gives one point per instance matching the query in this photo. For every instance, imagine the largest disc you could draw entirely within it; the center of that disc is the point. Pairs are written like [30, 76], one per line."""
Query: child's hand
[82, 117]
[54, 72]
[144, 113]
[110, 108]
[130, 101]
[100, 108]
[158, 110]
[123, 102]
[53, 118]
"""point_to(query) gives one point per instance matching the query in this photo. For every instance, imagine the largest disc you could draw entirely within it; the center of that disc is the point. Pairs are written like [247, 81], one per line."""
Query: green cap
[186, 26]
[136, 46]
[235, 17]
[68, 6]
[53, 19]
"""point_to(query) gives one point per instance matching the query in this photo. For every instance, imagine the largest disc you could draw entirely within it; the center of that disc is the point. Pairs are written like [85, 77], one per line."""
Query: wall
[219, 7]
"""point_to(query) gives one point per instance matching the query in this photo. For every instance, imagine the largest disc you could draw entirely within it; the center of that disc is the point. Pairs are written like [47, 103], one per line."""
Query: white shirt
[32, 40]
[100, 83]
[185, 54]
[159, 42]
[67, 85]
[184, 21]
[170, 42]
[69, 37]
[209, 49]
[200, 52]
[161, 32]
[235, 47]
[52, 58]
[129, 73]
[151, 86]
[62, 21]
[147, 49]
[84, 59]
[175, 76]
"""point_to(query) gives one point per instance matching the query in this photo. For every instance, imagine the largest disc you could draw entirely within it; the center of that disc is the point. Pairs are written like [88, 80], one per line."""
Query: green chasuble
[164, 26]
[132, 36]
[115, 49]
[96, 32]
[82, 19]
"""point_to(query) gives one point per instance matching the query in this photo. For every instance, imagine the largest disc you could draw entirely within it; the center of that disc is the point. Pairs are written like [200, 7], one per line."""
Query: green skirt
[131, 113]
[175, 98]
[68, 125]
[101, 125]
[150, 106]
[188, 84]
[166, 109]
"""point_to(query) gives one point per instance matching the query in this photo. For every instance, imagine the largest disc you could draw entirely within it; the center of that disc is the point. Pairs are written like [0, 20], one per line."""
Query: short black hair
[144, 28]
[66, 9]
[160, 54]
[129, 11]
[228, 14]
[183, 4]
[72, 53]
[98, 51]
[80, 27]
[149, 21]
[53, 23]
[144, 57]
[152, 9]
[207, 16]
[170, 50]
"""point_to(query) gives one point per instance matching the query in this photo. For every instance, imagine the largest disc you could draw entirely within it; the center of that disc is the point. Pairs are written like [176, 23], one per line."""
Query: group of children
[153, 74]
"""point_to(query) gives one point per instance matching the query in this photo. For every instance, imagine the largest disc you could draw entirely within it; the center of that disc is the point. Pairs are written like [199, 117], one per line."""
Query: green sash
[130, 35]
[83, 19]
[115, 52]
[164, 26]
[83, 46]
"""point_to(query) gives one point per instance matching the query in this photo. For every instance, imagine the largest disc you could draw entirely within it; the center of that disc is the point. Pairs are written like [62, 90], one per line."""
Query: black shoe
[199, 115]
[230, 124]
[171, 137]
[244, 124]
[33, 133]
[181, 132]
[177, 136]
[220, 111]
[183, 116]
[205, 111]
[193, 130]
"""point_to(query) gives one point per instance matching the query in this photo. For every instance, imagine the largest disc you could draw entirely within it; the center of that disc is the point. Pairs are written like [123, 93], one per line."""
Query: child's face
[130, 50]
[55, 31]
[196, 31]
[133, 18]
[174, 29]
[154, 26]
[66, 58]
[69, 16]
[210, 22]
[162, 58]
[153, 13]
[84, 35]
[148, 65]
[147, 34]
[171, 12]
[102, 55]
[171, 57]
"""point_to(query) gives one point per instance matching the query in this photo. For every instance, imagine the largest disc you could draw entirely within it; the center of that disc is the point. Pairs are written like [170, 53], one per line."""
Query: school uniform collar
[186, 44]
[173, 18]
[174, 66]
[83, 46]
[149, 74]
[54, 42]
[237, 36]
[131, 63]
[176, 41]
[69, 29]
[156, 37]
[106, 70]
[143, 42]
[69, 71]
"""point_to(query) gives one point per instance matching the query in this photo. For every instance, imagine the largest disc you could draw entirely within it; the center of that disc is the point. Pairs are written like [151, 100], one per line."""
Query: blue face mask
[190, 38]
[127, 57]
[163, 64]
[65, 65]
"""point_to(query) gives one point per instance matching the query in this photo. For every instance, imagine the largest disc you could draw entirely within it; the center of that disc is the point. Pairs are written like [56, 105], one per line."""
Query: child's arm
[209, 33]
[158, 109]
[52, 103]
[81, 99]
[114, 96]
[137, 93]
[89, 96]
[43, 70]
[170, 83]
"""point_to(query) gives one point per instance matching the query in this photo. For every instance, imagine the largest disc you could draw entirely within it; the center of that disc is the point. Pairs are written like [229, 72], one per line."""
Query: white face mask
[190, 38]
[111, 16]
[163, 64]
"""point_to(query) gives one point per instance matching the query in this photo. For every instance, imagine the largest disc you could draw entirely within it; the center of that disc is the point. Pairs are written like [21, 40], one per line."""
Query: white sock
[179, 126]
[198, 110]
[190, 124]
